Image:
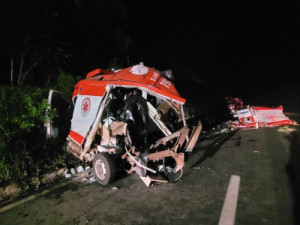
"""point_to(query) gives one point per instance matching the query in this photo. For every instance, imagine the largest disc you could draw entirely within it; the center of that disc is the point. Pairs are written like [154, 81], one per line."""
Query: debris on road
[223, 128]
[255, 117]
[84, 175]
[79, 169]
[78, 172]
[286, 129]
[68, 175]
[73, 171]
[234, 104]
[262, 117]
[115, 189]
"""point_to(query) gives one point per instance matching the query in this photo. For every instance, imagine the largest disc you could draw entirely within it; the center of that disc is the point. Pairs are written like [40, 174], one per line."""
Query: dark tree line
[39, 38]
[219, 41]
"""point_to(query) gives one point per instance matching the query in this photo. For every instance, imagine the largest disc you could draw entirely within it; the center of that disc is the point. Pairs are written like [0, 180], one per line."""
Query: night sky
[239, 47]
[247, 49]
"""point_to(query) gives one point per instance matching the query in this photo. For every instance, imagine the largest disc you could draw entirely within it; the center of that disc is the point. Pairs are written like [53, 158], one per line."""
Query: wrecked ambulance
[131, 119]
[262, 117]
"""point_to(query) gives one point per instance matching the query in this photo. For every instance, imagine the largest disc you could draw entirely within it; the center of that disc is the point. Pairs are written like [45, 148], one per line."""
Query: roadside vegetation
[24, 150]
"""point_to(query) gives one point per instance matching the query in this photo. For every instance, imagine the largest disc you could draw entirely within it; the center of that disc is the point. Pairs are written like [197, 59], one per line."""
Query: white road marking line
[229, 207]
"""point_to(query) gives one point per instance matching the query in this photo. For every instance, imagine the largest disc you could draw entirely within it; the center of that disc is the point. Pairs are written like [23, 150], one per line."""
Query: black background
[247, 49]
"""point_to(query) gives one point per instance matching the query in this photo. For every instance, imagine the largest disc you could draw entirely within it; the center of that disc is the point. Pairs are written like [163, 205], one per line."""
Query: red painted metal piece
[98, 79]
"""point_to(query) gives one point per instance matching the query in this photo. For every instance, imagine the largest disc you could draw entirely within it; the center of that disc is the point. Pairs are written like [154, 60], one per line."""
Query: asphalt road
[265, 159]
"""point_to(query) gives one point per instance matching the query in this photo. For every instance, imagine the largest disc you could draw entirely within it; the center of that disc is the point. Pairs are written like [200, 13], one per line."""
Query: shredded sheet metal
[263, 116]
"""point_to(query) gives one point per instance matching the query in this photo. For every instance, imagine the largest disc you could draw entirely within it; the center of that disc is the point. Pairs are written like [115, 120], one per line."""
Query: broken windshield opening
[131, 106]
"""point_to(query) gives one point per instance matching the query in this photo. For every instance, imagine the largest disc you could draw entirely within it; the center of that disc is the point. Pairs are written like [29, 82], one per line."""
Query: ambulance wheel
[104, 168]
[169, 167]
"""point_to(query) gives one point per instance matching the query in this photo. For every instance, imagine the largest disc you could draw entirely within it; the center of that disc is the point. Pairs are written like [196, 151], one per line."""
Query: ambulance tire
[168, 168]
[104, 168]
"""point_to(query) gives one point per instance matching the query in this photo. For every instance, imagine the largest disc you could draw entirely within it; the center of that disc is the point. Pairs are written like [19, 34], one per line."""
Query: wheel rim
[169, 170]
[100, 169]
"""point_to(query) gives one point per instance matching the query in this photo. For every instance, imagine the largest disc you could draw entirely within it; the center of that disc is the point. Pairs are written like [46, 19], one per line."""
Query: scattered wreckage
[131, 119]
[234, 104]
[263, 116]
[252, 116]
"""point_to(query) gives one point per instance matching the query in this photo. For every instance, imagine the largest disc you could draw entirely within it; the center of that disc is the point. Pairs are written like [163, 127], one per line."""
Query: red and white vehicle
[134, 115]
[234, 104]
[262, 116]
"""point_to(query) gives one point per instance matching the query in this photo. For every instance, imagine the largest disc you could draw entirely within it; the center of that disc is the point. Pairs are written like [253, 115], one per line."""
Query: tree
[73, 35]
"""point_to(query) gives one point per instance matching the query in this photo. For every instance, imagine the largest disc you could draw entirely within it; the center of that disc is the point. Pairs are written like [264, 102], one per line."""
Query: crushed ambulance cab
[131, 119]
